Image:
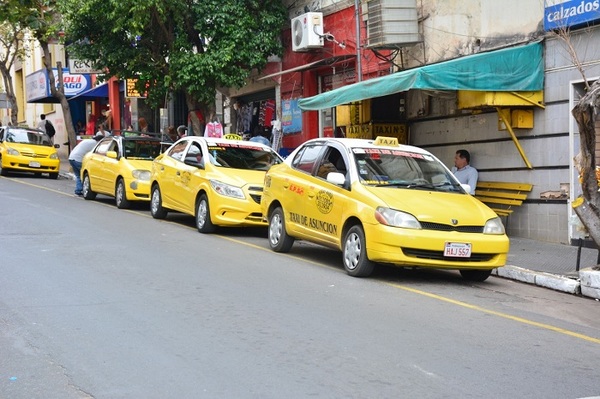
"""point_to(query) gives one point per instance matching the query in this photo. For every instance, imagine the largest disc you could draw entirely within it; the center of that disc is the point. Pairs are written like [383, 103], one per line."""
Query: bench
[502, 197]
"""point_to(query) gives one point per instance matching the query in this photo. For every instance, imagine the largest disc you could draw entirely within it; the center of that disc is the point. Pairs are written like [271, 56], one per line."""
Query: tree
[13, 48]
[587, 207]
[193, 46]
[42, 19]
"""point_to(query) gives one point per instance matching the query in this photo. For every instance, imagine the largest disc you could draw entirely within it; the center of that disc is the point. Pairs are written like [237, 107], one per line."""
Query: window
[305, 160]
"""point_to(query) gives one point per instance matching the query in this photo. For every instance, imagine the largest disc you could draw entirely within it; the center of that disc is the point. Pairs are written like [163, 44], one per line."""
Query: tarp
[95, 92]
[511, 69]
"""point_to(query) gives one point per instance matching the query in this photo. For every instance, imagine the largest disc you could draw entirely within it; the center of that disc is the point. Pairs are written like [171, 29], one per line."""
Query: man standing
[76, 158]
[42, 123]
[465, 173]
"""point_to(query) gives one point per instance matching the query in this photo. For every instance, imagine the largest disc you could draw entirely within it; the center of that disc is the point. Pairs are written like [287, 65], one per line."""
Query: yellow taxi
[381, 202]
[27, 150]
[119, 166]
[218, 181]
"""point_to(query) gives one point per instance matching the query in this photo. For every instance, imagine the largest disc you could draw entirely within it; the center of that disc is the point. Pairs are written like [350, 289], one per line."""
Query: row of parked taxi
[374, 200]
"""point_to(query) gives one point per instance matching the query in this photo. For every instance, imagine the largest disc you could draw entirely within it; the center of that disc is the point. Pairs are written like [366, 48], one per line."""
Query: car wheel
[88, 194]
[279, 240]
[203, 221]
[475, 275]
[354, 252]
[53, 176]
[156, 209]
[3, 171]
[121, 195]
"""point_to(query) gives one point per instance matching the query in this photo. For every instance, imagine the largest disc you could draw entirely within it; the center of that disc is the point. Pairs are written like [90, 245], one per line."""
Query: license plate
[34, 164]
[457, 250]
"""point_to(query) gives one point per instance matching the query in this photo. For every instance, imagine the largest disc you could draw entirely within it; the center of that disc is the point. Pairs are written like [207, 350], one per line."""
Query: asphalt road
[97, 302]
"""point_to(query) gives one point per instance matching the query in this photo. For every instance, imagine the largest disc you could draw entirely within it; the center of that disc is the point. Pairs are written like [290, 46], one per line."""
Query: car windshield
[25, 136]
[403, 169]
[242, 157]
[142, 149]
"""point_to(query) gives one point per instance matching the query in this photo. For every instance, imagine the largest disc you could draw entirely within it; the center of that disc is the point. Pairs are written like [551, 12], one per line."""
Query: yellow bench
[501, 197]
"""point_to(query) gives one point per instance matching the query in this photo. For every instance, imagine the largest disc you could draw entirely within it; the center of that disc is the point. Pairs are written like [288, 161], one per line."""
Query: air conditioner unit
[307, 31]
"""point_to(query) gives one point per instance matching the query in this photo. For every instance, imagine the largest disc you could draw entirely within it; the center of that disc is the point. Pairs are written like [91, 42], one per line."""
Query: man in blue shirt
[465, 173]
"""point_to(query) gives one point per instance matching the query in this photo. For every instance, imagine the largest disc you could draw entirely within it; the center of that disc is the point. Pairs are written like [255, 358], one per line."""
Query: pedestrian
[182, 131]
[76, 158]
[172, 133]
[464, 172]
[42, 123]
[102, 130]
[143, 125]
[47, 127]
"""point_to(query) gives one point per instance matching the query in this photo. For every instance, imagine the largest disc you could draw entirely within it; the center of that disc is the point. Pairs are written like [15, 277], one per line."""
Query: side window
[333, 161]
[104, 146]
[306, 159]
[177, 150]
[194, 155]
[1, 134]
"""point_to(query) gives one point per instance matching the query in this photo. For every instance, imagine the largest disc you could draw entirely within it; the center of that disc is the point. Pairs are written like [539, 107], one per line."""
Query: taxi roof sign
[390, 141]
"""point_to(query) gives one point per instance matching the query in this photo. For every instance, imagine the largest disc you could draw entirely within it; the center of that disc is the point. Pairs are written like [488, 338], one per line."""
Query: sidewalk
[534, 262]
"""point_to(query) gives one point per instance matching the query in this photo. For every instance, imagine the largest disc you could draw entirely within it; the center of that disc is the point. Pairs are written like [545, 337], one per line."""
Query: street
[97, 302]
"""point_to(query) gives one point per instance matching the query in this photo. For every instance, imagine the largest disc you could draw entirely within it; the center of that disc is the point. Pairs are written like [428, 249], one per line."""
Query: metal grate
[448, 227]
[439, 255]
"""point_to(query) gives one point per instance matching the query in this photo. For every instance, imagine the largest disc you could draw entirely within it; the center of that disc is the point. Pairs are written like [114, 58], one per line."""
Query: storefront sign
[82, 67]
[291, 116]
[570, 13]
[38, 85]
[131, 90]
[372, 130]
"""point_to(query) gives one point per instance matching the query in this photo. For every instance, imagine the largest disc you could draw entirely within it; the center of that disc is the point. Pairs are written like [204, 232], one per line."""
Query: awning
[95, 92]
[512, 69]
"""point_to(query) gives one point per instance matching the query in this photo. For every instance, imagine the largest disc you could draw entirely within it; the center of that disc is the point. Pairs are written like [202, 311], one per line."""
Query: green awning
[511, 69]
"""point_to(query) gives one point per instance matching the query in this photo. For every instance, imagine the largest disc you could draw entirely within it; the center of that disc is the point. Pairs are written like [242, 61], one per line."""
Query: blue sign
[571, 13]
[291, 116]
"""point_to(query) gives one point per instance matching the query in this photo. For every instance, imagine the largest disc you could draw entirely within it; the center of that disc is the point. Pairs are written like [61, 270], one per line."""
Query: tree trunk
[588, 208]
[60, 95]
[197, 124]
[10, 95]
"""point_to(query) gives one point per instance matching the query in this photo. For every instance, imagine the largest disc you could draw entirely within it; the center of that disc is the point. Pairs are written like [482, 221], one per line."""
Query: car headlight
[141, 174]
[391, 217]
[54, 156]
[493, 226]
[12, 151]
[227, 189]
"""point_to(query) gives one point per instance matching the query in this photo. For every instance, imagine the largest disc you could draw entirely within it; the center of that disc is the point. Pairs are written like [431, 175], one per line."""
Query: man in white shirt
[465, 173]
[76, 157]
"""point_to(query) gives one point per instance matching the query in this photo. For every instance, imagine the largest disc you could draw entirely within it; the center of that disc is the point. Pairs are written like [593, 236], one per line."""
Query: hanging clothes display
[213, 129]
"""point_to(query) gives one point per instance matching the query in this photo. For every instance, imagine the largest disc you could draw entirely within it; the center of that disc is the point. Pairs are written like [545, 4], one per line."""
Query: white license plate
[457, 250]
[34, 164]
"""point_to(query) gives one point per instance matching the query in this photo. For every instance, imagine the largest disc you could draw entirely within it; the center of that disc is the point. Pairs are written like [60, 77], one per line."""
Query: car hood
[31, 148]
[440, 207]
[239, 177]
[138, 164]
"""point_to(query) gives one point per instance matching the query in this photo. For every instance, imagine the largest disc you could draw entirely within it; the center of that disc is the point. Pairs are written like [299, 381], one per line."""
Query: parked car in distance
[381, 202]
[120, 166]
[27, 150]
[218, 181]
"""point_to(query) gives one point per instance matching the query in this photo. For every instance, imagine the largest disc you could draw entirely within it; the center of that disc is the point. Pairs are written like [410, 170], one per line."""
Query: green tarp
[511, 69]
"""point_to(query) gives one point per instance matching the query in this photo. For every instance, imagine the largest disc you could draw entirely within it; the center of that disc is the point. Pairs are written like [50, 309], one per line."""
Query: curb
[546, 280]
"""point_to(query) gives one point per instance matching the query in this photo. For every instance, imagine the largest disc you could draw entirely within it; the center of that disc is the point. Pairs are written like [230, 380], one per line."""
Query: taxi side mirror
[111, 154]
[336, 178]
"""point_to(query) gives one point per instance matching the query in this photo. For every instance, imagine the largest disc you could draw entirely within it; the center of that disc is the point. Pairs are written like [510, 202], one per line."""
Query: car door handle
[178, 173]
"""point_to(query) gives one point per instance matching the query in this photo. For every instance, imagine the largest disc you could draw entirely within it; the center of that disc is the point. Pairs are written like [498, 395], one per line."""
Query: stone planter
[590, 282]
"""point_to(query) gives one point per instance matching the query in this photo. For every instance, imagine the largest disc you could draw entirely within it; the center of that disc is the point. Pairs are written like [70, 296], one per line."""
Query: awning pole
[514, 138]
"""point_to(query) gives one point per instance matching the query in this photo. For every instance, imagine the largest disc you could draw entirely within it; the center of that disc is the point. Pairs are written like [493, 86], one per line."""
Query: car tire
[279, 240]
[475, 275]
[3, 171]
[203, 220]
[53, 176]
[88, 194]
[354, 251]
[156, 209]
[121, 195]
